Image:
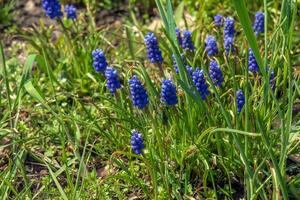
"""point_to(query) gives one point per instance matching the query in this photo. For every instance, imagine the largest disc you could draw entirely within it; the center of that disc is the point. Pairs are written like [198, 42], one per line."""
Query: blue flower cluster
[218, 20]
[168, 93]
[228, 44]
[52, 8]
[99, 60]
[187, 43]
[112, 80]
[252, 64]
[229, 32]
[138, 93]
[137, 143]
[259, 23]
[215, 73]
[200, 83]
[111, 75]
[240, 100]
[211, 46]
[71, 12]
[153, 51]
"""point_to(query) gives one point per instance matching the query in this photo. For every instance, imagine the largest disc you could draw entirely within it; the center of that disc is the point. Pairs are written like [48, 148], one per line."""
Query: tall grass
[60, 120]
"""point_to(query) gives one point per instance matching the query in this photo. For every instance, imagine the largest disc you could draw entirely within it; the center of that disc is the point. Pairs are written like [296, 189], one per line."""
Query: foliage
[6, 13]
[65, 135]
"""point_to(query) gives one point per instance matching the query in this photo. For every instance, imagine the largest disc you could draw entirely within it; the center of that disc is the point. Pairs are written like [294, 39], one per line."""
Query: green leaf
[149, 83]
[25, 76]
[130, 40]
[42, 64]
[28, 66]
[34, 92]
[162, 14]
[60, 189]
[229, 130]
[242, 12]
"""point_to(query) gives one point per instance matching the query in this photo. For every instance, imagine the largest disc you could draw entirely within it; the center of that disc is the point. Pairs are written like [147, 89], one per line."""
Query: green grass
[64, 136]
[6, 16]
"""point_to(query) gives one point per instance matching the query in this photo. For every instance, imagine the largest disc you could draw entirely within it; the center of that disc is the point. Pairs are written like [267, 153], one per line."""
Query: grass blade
[60, 189]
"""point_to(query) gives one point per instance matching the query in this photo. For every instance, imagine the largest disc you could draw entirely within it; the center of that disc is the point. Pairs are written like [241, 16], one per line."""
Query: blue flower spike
[99, 60]
[52, 8]
[259, 23]
[138, 93]
[168, 93]
[153, 51]
[211, 46]
[112, 80]
[228, 45]
[252, 64]
[137, 144]
[200, 83]
[216, 74]
[229, 32]
[187, 43]
[218, 20]
[240, 100]
[70, 10]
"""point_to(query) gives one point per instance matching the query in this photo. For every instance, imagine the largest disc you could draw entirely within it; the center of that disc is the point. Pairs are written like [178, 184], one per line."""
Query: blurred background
[26, 12]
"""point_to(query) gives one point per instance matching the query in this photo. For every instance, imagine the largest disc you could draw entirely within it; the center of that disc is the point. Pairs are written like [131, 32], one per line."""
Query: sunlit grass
[67, 137]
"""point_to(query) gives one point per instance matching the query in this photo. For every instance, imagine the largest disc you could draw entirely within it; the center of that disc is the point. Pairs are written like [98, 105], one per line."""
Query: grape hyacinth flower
[252, 64]
[200, 83]
[215, 73]
[228, 34]
[71, 12]
[153, 51]
[168, 93]
[52, 8]
[218, 20]
[240, 100]
[259, 23]
[229, 27]
[138, 93]
[99, 60]
[187, 43]
[228, 45]
[178, 35]
[211, 46]
[137, 144]
[112, 80]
